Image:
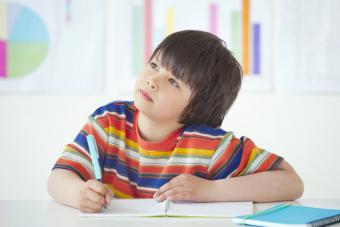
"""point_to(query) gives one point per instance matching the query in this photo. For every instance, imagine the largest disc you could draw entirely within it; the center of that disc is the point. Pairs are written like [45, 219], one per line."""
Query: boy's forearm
[64, 186]
[268, 186]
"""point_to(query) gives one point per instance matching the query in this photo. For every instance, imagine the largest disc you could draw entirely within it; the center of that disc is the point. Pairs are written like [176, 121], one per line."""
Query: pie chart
[23, 40]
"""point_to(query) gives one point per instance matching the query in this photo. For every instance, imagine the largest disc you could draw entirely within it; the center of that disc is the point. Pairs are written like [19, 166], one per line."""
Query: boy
[167, 144]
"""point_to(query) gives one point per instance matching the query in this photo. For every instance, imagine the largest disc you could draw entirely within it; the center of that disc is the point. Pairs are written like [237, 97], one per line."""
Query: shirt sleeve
[76, 155]
[239, 157]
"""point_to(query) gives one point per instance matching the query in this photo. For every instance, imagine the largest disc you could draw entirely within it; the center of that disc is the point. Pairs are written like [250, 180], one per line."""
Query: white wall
[302, 128]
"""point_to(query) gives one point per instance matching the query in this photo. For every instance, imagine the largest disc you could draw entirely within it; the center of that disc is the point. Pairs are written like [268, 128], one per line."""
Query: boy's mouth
[145, 95]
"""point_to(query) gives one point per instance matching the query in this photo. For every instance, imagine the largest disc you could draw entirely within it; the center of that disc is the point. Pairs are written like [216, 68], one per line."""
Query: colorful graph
[155, 20]
[23, 40]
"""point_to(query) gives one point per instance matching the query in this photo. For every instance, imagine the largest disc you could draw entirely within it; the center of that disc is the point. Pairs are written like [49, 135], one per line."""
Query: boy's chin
[140, 106]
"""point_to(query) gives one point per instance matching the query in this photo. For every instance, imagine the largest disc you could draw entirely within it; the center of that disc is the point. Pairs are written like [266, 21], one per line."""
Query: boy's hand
[186, 187]
[93, 196]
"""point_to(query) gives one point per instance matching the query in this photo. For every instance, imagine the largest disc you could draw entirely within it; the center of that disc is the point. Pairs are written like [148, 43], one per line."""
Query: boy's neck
[155, 131]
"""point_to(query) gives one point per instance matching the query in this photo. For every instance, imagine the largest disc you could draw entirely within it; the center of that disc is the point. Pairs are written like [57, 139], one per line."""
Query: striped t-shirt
[135, 168]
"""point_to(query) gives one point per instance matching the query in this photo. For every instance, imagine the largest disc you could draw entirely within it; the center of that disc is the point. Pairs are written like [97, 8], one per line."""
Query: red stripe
[80, 168]
[125, 187]
[120, 184]
[199, 143]
[184, 169]
[267, 163]
[226, 155]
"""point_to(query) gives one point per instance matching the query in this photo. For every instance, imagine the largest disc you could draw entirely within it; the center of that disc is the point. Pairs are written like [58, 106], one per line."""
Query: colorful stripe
[213, 18]
[3, 59]
[256, 48]
[245, 35]
[137, 39]
[169, 21]
[134, 168]
[236, 34]
[147, 29]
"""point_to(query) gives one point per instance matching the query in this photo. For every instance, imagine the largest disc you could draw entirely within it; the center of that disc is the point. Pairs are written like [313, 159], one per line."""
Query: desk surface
[45, 213]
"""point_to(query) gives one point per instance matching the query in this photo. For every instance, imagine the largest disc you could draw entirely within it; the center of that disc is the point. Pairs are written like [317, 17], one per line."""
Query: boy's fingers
[162, 189]
[166, 187]
[95, 197]
[108, 198]
[87, 209]
[161, 198]
[169, 193]
[182, 196]
[98, 187]
[108, 195]
[109, 191]
[92, 206]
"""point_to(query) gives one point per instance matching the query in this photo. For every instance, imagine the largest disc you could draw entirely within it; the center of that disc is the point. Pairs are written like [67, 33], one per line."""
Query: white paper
[150, 207]
[219, 209]
[130, 208]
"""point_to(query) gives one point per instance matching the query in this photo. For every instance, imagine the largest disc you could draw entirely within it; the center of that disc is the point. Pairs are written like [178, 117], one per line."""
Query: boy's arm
[68, 188]
[64, 186]
[268, 186]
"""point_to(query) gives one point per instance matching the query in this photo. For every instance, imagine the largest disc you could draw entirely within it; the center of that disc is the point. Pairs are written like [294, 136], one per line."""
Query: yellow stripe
[193, 151]
[115, 132]
[121, 135]
[118, 194]
[245, 29]
[169, 21]
[177, 151]
[253, 153]
[133, 145]
[154, 153]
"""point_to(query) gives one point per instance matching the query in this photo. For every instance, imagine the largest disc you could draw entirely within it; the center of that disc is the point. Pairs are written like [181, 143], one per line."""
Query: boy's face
[159, 95]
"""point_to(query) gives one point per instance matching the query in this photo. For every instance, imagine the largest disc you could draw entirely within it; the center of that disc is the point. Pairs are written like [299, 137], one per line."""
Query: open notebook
[152, 208]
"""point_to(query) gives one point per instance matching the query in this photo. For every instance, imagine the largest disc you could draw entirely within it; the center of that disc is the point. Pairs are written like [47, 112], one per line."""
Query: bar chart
[242, 24]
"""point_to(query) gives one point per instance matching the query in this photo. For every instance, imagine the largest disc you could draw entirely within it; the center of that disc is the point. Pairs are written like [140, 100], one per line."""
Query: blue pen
[94, 158]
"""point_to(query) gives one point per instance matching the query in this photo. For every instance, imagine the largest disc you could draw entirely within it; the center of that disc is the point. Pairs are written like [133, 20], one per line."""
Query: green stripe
[249, 164]
[137, 39]
[226, 137]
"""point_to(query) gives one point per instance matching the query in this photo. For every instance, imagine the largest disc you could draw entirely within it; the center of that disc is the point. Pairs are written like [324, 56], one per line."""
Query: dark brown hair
[203, 62]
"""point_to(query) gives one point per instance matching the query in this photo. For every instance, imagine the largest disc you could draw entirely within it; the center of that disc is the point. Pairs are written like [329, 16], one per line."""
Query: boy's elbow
[49, 185]
[293, 182]
[296, 187]
[299, 187]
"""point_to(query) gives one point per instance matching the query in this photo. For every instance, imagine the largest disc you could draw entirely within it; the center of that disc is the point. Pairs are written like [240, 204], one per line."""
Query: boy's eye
[153, 65]
[173, 82]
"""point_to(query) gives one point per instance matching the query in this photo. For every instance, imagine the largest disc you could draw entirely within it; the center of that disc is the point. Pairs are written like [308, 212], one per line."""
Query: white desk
[36, 213]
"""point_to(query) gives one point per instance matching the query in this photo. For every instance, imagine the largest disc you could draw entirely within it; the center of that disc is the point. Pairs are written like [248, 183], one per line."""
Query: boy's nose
[151, 84]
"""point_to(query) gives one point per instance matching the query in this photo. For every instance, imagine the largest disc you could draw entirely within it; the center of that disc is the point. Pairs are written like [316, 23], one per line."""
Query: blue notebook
[290, 215]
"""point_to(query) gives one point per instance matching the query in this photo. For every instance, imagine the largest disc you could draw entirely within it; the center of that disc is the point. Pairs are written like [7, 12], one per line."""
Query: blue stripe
[82, 141]
[204, 129]
[230, 167]
[119, 107]
[133, 176]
